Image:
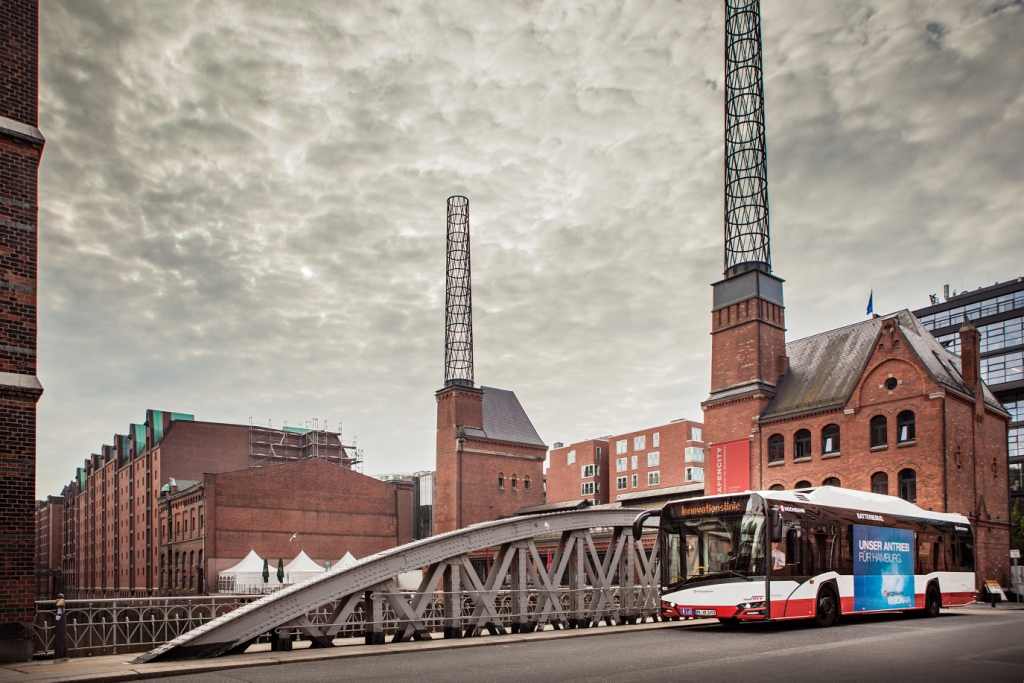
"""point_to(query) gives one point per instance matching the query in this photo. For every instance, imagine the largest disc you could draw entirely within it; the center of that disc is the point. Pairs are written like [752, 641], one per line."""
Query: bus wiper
[735, 573]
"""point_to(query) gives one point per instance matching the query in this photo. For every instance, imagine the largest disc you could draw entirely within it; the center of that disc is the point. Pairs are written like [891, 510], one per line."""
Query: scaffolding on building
[270, 446]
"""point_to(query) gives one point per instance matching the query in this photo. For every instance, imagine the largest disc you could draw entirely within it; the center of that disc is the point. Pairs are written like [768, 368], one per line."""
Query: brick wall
[565, 480]
[672, 441]
[19, 163]
[332, 509]
[19, 53]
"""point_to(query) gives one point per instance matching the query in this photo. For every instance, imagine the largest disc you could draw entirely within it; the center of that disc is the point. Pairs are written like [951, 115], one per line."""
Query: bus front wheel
[932, 602]
[827, 608]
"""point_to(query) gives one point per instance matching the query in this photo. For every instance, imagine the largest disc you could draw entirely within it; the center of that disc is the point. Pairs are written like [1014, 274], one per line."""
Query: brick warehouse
[114, 542]
[21, 147]
[879, 405]
[601, 470]
[309, 505]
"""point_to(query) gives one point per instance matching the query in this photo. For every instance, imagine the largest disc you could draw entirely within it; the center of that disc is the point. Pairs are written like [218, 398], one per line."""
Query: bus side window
[965, 548]
[940, 555]
[793, 547]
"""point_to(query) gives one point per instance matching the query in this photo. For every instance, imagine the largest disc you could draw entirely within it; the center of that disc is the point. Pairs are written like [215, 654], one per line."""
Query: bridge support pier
[374, 610]
[453, 597]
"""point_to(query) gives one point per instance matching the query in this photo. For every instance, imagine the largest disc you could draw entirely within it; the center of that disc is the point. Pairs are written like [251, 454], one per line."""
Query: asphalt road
[960, 646]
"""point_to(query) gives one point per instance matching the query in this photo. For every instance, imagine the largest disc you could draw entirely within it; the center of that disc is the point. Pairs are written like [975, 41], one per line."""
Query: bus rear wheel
[826, 611]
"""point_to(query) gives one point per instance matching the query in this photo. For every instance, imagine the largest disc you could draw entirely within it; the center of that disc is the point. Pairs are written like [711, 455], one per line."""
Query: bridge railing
[117, 625]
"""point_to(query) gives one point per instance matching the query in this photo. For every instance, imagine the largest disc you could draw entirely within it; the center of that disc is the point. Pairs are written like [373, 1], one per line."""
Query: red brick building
[879, 405]
[326, 510]
[49, 529]
[111, 541]
[601, 470]
[490, 459]
[21, 146]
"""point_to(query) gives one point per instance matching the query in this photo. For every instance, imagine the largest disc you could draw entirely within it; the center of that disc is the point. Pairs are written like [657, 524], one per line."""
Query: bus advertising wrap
[883, 568]
[730, 468]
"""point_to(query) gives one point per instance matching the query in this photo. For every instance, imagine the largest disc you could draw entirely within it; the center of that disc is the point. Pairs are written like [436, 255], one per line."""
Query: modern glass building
[998, 313]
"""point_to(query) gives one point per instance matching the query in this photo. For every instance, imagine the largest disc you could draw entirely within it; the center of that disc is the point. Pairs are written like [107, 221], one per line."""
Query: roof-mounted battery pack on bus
[810, 554]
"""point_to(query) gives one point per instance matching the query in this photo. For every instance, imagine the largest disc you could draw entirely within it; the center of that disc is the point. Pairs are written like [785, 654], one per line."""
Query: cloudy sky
[243, 202]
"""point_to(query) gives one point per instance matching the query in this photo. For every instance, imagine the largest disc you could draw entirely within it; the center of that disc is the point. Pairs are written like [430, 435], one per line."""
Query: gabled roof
[825, 369]
[505, 419]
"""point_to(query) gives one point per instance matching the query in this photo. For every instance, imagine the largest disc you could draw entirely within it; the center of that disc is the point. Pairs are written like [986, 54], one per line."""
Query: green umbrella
[280, 570]
[266, 571]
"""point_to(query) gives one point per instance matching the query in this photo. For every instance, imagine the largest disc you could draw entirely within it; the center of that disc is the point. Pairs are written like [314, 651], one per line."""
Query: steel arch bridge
[519, 591]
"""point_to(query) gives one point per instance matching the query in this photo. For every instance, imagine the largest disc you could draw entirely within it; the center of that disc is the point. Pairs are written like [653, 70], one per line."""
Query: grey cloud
[243, 202]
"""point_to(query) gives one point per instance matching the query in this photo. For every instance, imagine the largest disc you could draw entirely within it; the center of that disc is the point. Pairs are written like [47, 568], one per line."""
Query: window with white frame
[621, 483]
[636, 480]
[652, 459]
[597, 453]
[570, 457]
[620, 446]
[621, 465]
[636, 461]
[695, 474]
[653, 478]
[694, 454]
[695, 434]
[587, 471]
[587, 488]
[655, 440]
[597, 487]
[639, 442]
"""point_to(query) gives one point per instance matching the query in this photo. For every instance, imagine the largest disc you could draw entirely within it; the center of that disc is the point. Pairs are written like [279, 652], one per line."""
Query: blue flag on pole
[871, 303]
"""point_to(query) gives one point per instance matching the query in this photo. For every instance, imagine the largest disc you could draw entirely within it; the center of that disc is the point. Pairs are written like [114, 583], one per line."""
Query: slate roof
[505, 419]
[825, 369]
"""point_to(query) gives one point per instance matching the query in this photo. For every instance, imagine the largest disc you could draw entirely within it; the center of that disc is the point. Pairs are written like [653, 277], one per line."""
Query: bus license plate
[704, 613]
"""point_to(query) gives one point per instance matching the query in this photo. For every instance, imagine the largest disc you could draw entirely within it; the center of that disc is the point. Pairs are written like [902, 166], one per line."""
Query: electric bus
[814, 553]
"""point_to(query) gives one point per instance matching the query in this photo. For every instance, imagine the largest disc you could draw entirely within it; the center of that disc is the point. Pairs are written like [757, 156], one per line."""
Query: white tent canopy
[246, 574]
[301, 568]
[346, 561]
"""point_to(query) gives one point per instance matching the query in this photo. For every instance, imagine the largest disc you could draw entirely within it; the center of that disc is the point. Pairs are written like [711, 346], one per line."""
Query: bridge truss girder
[519, 592]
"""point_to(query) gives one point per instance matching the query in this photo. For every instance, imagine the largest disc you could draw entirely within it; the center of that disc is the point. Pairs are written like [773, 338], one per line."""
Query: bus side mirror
[775, 522]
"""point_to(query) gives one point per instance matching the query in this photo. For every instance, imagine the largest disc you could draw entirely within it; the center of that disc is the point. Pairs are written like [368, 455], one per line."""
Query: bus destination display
[883, 568]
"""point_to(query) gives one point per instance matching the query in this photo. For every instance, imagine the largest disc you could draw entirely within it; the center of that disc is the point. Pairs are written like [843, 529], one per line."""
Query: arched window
[880, 483]
[776, 487]
[908, 485]
[803, 484]
[776, 448]
[515, 483]
[501, 481]
[526, 484]
[905, 427]
[831, 481]
[802, 444]
[830, 439]
[879, 431]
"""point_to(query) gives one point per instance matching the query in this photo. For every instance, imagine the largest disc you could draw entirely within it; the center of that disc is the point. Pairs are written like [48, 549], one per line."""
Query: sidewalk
[113, 668]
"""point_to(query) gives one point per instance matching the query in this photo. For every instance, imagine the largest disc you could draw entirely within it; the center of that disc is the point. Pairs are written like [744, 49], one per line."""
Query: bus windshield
[700, 546]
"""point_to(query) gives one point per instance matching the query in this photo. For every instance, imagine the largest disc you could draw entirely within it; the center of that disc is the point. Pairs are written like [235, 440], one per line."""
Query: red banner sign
[730, 467]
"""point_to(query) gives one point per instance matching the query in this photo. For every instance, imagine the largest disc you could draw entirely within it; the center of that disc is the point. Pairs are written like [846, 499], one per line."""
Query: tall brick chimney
[970, 356]
[748, 332]
[459, 403]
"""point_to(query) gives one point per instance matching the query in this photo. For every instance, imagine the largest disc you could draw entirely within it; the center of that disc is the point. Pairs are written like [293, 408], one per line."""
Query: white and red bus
[814, 553]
